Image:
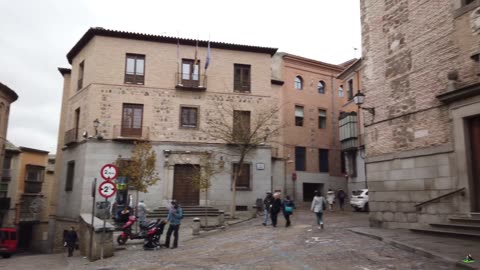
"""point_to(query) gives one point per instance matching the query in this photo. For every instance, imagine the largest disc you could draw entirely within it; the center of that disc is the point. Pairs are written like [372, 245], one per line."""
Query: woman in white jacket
[318, 205]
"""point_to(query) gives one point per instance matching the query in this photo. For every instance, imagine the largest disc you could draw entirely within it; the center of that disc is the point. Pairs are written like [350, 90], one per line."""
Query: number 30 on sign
[107, 189]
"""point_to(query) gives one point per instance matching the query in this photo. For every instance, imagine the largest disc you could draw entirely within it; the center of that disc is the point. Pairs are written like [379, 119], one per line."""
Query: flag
[207, 61]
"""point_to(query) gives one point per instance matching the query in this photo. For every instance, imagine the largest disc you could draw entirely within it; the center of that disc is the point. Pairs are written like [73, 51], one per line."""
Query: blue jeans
[319, 217]
[265, 217]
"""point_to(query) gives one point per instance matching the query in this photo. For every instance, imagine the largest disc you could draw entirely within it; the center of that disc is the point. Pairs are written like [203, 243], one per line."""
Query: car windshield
[357, 192]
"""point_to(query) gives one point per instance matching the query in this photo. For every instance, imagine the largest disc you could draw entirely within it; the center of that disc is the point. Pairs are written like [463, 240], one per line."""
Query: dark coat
[71, 237]
[276, 206]
[287, 203]
[268, 201]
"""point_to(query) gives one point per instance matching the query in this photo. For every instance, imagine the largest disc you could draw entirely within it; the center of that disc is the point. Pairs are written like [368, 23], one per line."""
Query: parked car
[8, 242]
[359, 200]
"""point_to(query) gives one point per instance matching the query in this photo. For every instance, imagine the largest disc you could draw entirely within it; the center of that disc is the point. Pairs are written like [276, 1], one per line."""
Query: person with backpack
[319, 204]
[287, 207]
[175, 214]
[267, 202]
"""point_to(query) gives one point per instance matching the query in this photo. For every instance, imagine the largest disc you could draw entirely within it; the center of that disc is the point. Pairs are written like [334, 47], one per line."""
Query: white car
[359, 200]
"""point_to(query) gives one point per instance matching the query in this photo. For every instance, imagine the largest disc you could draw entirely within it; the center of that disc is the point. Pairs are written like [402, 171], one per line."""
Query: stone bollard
[253, 211]
[221, 218]
[196, 226]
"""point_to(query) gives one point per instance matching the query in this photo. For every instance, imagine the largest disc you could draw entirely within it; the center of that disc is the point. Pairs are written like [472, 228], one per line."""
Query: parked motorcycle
[127, 232]
[153, 234]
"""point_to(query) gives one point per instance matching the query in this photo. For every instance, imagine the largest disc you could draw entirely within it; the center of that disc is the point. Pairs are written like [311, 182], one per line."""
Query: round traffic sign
[107, 189]
[109, 172]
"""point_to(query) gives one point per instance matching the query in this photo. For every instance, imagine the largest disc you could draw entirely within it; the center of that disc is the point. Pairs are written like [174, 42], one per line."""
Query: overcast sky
[35, 37]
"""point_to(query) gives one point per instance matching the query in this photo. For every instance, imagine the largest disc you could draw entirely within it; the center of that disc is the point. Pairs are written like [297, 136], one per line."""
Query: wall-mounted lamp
[359, 99]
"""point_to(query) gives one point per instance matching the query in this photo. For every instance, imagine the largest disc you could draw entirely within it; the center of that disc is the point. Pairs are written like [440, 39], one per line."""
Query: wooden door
[474, 128]
[183, 189]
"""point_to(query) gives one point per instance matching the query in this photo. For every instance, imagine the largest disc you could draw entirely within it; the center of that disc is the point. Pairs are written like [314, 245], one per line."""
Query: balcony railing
[121, 133]
[33, 186]
[188, 81]
[4, 203]
[6, 175]
[70, 136]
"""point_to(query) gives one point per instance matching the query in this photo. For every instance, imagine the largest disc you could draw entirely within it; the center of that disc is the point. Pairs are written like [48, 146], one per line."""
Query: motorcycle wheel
[121, 240]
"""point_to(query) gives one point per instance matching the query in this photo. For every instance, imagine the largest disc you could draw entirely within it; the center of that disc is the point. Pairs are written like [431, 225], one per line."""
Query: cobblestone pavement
[252, 246]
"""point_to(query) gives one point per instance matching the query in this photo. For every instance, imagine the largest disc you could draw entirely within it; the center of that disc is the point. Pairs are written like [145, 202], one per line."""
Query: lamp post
[359, 99]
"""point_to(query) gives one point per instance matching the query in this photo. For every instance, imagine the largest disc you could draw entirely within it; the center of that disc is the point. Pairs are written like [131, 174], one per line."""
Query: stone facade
[418, 133]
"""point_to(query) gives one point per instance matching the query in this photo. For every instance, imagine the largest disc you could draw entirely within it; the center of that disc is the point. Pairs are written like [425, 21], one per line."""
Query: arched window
[340, 91]
[321, 87]
[298, 83]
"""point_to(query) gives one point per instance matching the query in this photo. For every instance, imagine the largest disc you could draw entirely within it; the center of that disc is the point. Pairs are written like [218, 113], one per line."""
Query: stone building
[139, 87]
[310, 98]
[351, 128]
[7, 97]
[30, 186]
[421, 76]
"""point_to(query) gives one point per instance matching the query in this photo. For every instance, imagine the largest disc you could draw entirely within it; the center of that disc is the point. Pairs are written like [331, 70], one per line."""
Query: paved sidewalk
[449, 249]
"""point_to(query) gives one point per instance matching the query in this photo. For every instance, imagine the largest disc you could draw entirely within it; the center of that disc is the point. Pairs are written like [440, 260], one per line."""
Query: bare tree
[139, 169]
[242, 131]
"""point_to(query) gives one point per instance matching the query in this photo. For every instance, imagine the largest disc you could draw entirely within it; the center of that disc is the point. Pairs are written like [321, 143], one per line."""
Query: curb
[222, 229]
[414, 249]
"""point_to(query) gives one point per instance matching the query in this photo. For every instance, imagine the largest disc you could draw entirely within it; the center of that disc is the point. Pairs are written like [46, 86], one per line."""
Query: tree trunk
[206, 207]
[234, 196]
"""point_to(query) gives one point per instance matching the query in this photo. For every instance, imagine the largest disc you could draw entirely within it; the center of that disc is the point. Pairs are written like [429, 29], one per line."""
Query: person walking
[267, 202]
[175, 214]
[287, 207]
[71, 239]
[319, 204]
[275, 208]
[341, 198]
[142, 213]
[330, 199]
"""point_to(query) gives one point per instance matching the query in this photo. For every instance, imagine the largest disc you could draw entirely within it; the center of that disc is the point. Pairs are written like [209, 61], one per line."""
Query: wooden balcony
[70, 136]
[194, 82]
[130, 134]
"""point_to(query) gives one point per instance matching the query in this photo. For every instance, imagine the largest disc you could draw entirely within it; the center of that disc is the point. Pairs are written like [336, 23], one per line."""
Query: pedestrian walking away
[70, 240]
[267, 202]
[319, 204]
[330, 199]
[341, 198]
[287, 207]
[142, 213]
[275, 208]
[175, 215]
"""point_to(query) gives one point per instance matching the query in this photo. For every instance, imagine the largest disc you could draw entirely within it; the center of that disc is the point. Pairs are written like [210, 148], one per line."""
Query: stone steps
[447, 232]
[459, 226]
[188, 211]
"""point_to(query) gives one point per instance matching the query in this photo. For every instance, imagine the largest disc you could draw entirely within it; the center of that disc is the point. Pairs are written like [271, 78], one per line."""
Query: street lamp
[359, 99]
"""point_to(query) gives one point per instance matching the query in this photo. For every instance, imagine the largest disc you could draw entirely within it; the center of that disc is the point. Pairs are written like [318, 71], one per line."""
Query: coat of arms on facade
[36, 206]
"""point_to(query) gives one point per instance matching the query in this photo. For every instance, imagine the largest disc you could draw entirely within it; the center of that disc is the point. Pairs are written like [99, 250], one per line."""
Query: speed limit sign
[107, 189]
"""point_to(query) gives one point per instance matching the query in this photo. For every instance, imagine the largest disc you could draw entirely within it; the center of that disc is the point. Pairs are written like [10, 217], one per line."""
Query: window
[190, 73]
[350, 89]
[321, 87]
[298, 83]
[243, 180]
[34, 173]
[241, 126]
[80, 75]
[323, 159]
[132, 120]
[70, 175]
[299, 116]
[300, 158]
[188, 117]
[241, 78]
[135, 69]
[3, 190]
[322, 119]
[340, 91]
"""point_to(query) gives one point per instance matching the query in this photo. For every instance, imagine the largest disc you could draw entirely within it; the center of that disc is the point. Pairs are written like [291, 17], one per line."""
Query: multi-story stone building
[7, 97]
[30, 188]
[139, 87]
[311, 98]
[421, 76]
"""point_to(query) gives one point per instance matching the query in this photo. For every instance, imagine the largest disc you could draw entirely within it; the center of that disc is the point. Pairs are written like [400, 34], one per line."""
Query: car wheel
[366, 208]
[121, 240]
[6, 255]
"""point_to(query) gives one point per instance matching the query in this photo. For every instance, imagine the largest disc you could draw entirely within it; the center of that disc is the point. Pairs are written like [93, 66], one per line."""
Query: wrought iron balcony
[132, 134]
[187, 81]
[70, 136]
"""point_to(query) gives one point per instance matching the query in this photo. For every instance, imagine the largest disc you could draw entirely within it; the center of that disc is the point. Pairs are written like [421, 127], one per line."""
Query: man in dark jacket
[70, 240]
[275, 209]
[267, 202]
[341, 198]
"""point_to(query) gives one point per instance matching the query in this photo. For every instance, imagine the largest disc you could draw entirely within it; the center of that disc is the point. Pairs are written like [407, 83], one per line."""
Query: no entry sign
[109, 172]
[107, 189]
